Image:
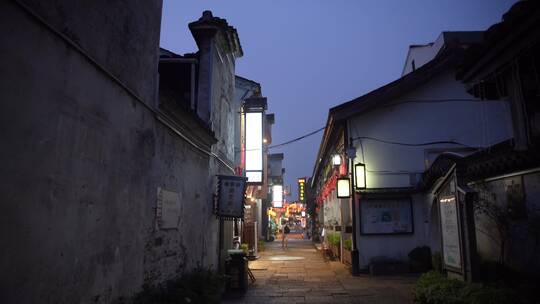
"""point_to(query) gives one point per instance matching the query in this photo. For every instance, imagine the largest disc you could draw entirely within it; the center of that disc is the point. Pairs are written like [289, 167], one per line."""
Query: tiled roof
[496, 160]
[522, 16]
[208, 22]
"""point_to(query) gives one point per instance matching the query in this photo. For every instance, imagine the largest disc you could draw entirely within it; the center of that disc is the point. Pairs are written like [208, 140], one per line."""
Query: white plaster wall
[393, 246]
[332, 212]
[421, 55]
[438, 111]
[223, 109]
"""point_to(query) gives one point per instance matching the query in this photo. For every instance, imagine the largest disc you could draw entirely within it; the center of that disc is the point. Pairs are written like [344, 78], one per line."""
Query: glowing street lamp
[360, 176]
[336, 159]
[343, 187]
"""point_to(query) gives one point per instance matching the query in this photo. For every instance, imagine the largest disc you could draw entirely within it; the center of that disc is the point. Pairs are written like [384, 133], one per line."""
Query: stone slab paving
[299, 274]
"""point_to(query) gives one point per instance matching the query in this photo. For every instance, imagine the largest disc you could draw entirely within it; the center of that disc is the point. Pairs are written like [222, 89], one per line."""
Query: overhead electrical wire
[374, 139]
[297, 139]
[158, 115]
[160, 118]
[413, 144]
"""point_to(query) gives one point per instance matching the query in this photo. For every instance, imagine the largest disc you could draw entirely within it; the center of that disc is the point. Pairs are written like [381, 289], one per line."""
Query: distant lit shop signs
[230, 198]
[301, 189]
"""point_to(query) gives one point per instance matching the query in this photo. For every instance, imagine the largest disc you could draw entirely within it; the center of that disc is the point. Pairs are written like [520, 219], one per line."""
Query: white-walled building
[397, 131]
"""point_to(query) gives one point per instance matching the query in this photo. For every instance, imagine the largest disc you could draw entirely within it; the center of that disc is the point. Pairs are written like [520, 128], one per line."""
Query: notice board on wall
[386, 216]
[450, 231]
[168, 209]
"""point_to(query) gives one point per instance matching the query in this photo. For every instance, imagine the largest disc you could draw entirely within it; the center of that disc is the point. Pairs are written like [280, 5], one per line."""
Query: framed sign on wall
[230, 197]
[386, 216]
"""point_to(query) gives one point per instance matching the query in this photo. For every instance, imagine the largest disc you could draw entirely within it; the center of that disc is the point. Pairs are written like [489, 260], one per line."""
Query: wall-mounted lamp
[360, 176]
[336, 159]
[343, 187]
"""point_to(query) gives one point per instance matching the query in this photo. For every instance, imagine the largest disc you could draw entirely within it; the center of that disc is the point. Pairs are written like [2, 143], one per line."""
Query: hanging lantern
[336, 159]
[360, 176]
[343, 187]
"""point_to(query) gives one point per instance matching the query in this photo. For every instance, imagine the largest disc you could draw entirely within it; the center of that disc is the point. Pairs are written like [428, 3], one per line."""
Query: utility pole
[351, 153]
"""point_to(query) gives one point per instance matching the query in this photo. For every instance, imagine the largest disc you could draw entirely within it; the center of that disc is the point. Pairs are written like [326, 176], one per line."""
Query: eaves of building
[498, 160]
[503, 41]
[338, 115]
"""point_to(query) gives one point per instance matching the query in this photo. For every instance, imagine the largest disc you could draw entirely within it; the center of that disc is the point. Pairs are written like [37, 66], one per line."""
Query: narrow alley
[300, 274]
[157, 152]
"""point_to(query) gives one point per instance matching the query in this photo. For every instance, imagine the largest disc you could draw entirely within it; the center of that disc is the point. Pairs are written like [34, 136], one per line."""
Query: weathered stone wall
[222, 118]
[122, 35]
[82, 158]
[223, 105]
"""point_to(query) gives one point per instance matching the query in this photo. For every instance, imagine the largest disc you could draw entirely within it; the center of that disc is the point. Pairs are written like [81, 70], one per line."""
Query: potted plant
[245, 248]
[347, 247]
[334, 243]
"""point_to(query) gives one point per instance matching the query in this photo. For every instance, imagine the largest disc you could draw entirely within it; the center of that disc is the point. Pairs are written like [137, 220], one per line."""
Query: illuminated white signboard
[254, 147]
[277, 196]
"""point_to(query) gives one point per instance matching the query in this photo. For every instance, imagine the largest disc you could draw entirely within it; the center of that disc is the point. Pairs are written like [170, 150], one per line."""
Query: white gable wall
[438, 111]
[421, 54]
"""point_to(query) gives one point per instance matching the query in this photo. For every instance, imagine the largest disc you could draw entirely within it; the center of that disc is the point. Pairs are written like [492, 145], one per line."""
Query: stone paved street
[299, 274]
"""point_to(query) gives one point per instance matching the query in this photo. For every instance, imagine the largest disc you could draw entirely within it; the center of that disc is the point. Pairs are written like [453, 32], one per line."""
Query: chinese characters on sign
[301, 190]
[386, 216]
[450, 231]
[231, 191]
[168, 209]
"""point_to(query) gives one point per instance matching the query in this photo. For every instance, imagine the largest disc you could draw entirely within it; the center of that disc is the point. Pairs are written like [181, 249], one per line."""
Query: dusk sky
[309, 56]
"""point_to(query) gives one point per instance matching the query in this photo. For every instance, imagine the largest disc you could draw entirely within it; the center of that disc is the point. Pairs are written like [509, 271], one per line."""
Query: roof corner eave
[322, 147]
[332, 126]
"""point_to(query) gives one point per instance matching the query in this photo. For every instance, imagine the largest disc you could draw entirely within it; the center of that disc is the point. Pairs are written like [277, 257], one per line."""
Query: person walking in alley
[284, 235]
